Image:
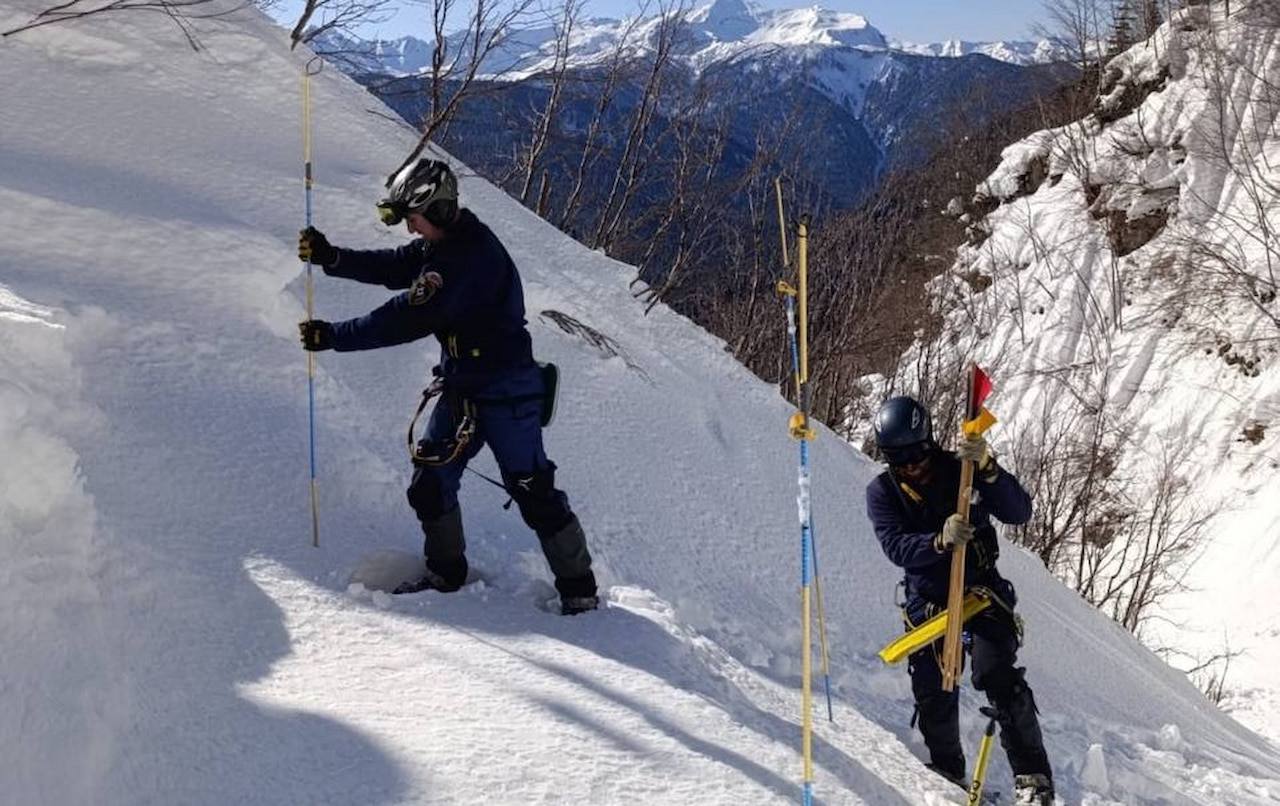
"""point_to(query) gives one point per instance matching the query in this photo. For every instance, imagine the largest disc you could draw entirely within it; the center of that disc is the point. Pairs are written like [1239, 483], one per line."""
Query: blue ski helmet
[904, 431]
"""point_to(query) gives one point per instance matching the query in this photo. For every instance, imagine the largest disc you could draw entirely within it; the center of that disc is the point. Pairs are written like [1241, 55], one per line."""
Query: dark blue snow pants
[513, 431]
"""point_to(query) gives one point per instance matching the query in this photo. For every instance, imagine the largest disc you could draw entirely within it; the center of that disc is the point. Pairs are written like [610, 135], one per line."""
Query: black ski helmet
[426, 186]
[904, 430]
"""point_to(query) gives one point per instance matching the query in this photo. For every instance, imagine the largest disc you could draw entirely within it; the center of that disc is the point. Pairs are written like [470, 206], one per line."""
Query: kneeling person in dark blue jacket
[912, 507]
[461, 287]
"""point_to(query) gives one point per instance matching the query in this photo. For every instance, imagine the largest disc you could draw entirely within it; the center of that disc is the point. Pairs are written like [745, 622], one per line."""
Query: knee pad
[426, 495]
[1002, 683]
[544, 508]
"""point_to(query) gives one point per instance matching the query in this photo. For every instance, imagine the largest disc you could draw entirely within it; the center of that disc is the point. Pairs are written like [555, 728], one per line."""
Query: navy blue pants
[513, 431]
[993, 649]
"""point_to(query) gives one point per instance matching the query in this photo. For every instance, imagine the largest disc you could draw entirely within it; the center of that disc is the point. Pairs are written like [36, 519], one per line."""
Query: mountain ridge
[714, 32]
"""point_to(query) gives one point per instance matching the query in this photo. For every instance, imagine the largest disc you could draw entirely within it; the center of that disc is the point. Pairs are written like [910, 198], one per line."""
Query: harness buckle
[426, 453]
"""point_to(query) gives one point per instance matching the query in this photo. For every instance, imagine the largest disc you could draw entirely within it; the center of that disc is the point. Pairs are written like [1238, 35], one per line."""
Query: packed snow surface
[171, 636]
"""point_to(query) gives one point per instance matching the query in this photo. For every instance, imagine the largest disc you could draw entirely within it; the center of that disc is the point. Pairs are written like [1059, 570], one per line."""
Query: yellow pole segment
[984, 758]
[822, 625]
[782, 222]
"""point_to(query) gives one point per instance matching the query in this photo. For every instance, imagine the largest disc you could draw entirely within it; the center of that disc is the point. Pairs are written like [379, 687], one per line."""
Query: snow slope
[1166, 328]
[169, 634]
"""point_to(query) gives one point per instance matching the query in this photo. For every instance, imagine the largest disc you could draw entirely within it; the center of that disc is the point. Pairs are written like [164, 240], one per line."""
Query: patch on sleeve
[425, 287]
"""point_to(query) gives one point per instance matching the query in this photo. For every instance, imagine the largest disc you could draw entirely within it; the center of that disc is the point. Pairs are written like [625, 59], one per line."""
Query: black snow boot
[573, 605]
[1034, 789]
[429, 581]
[957, 778]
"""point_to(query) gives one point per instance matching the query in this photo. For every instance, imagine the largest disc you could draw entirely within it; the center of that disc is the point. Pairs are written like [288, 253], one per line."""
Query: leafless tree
[672, 18]
[1233, 242]
[1119, 524]
[615, 69]
[457, 59]
[183, 13]
[1078, 26]
[530, 161]
[336, 16]
[693, 212]
[1210, 674]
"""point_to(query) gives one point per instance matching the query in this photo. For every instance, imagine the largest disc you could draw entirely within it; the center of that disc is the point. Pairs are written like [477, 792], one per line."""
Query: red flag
[979, 389]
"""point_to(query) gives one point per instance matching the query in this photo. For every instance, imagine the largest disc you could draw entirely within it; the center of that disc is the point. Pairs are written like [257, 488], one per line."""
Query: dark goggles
[392, 212]
[906, 454]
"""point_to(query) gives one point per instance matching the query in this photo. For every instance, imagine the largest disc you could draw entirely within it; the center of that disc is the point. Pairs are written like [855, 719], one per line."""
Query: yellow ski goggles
[392, 212]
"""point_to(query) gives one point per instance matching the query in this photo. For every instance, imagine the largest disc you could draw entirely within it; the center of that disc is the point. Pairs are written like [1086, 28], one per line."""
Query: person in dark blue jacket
[912, 508]
[461, 286]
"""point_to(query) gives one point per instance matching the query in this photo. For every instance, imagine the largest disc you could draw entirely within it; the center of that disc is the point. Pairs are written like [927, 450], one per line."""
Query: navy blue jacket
[464, 290]
[907, 519]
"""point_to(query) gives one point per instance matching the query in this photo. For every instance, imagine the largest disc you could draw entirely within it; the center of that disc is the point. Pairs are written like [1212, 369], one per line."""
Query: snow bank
[49, 567]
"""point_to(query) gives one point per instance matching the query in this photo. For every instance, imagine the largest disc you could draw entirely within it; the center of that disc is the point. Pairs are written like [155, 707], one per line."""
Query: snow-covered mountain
[852, 96]
[169, 634]
[1038, 51]
[1120, 276]
[714, 32]
[720, 30]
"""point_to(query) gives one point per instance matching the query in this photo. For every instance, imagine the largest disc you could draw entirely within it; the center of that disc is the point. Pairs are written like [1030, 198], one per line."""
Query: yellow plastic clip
[786, 289]
[799, 427]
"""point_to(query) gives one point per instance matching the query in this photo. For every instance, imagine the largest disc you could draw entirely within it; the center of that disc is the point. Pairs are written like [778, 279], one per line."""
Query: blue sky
[911, 20]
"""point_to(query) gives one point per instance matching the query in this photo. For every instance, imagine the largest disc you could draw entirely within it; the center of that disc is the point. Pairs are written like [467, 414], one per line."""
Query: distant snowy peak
[725, 20]
[414, 54]
[715, 31]
[736, 21]
[719, 30]
[1040, 51]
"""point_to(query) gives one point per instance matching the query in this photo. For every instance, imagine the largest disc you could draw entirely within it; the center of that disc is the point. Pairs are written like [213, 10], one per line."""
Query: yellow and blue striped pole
[802, 250]
[307, 72]
[802, 253]
[800, 430]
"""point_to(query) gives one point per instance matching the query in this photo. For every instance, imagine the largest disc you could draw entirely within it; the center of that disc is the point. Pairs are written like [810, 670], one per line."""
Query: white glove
[955, 532]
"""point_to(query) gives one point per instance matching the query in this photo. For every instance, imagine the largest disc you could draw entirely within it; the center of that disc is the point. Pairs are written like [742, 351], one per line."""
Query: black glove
[313, 247]
[317, 335]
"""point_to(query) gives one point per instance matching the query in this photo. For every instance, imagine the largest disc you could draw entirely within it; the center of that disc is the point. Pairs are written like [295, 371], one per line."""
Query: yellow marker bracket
[800, 428]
